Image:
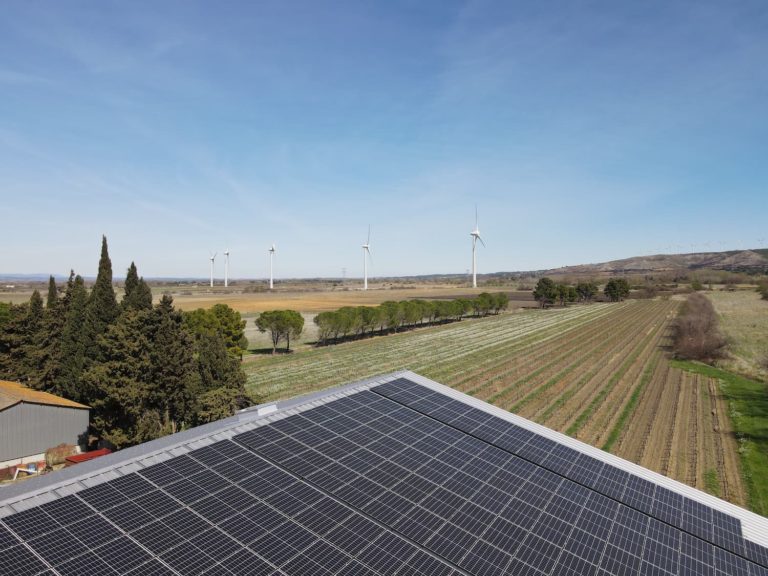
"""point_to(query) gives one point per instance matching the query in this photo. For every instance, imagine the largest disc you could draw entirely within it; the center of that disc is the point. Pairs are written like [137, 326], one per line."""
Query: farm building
[394, 475]
[33, 421]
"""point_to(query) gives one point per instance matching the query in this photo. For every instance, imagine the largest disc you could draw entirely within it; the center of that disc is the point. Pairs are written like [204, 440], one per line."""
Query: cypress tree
[138, 295]
[36, 309]
[53, 294]
[72, 345]
[131, 282]
[50, 367]
[143, 295]
[11, 340]
[33, 334]
[102, 309]
[174, 377]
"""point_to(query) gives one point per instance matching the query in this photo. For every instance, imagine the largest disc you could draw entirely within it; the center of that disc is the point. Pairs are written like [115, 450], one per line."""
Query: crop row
[425, 351]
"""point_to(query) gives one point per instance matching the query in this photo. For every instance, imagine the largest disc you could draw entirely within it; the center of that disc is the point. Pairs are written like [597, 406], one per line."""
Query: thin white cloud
[15, 78]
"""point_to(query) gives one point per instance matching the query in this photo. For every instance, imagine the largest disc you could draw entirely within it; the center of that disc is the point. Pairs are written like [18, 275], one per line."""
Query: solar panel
[636, 492]
[396, 479]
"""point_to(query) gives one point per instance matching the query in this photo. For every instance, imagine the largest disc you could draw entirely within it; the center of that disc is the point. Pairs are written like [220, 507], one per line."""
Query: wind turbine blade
[369, 235]
[475, 216]
[481, 240]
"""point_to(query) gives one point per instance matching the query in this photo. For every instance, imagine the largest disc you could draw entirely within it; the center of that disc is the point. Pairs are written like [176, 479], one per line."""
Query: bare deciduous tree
[697, 336]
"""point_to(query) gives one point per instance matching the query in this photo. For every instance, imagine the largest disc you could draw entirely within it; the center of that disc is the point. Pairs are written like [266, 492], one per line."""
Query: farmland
[599, 373]
[744, 320]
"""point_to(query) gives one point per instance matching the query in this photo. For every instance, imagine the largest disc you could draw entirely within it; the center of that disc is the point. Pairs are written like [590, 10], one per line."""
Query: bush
[697, 336]
[762, 289]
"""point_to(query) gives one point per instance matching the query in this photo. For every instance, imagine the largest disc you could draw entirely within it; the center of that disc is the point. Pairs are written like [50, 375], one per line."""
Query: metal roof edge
[10, 405]
[754, 526]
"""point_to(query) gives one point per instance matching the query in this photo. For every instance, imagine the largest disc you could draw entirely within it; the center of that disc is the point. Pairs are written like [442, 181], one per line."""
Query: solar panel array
[398, 479]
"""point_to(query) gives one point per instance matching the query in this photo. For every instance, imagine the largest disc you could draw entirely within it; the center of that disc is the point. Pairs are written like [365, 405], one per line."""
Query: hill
[733, 261]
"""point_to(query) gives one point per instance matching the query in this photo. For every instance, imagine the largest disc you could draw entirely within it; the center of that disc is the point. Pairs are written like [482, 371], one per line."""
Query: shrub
[697, 336]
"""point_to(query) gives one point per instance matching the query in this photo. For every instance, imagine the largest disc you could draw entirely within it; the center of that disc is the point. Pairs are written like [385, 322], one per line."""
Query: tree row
[360, 321]
[547, 292]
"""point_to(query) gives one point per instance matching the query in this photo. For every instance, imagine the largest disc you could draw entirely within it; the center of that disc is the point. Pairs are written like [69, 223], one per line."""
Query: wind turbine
[366, 256]
[213, 257]
[475, 237]
[226, 268]
[271, 256]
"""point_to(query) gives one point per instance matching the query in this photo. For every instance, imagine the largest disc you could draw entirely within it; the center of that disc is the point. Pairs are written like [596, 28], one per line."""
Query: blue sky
[584, 131]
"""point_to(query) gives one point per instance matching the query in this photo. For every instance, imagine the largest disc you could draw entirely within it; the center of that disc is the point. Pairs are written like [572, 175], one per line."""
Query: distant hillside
[734, 261]
[749, 261]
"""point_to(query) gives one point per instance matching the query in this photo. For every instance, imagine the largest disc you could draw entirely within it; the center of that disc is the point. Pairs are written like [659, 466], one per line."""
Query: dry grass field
[312, 302]
[744, 320]
[325, 300]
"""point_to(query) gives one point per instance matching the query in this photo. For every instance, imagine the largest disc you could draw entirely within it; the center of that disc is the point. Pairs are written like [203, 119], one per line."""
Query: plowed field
[598, 373]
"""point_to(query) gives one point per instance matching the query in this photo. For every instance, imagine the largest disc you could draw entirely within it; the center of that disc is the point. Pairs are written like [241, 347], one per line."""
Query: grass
[744, 321]
[712, 482]
[748, 406]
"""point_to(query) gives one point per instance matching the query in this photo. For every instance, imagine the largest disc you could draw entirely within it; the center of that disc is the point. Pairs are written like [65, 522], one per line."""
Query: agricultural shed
[32, 421]
[394, 475]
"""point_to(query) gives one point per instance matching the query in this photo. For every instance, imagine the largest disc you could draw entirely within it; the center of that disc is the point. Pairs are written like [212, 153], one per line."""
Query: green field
[744, 320]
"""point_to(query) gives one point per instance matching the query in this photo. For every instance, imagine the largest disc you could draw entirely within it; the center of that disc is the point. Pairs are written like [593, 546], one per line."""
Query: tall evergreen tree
[53, 294]
[174, 376]
[102, 309]
[11, 341]
[19, 353]
[220, 388]
[50, 369]
[131, 282]
[143, 295]
[118, 389]
[33, 334]
[36, 308]
[72, 346]
[138, 295]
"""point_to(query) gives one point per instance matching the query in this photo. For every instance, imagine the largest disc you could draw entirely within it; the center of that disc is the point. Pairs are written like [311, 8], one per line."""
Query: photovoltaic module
[397, 476]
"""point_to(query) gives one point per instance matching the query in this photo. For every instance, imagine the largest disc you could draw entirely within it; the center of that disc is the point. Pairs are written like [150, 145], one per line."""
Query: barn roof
[393, 475]
[12, 393]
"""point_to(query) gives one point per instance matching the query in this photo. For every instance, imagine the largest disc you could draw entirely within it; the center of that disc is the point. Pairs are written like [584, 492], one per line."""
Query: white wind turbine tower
[213, 257]
[366, 256]
[475, 237]
[271, 256]
[226, 268]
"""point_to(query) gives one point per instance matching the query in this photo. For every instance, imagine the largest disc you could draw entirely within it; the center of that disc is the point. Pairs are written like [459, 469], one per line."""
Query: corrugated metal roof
[11, 393]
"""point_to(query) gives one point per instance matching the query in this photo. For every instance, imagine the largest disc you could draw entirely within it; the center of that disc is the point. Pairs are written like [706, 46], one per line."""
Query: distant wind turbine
[226, 268]
[366, 256]
[475, 237]
[213, 257]
[271, 256]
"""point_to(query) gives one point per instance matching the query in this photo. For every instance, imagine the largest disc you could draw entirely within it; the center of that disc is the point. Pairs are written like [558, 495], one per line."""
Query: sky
[583, 132]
